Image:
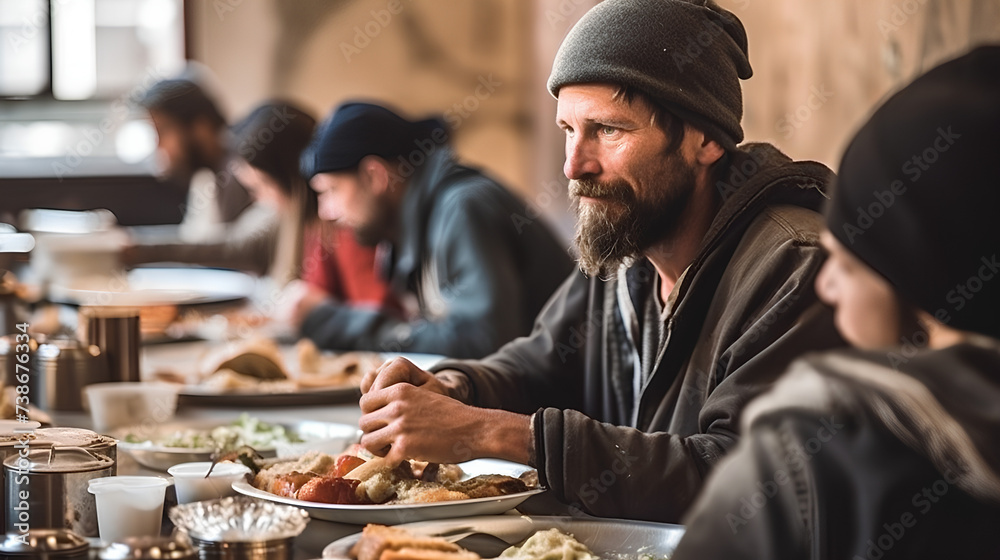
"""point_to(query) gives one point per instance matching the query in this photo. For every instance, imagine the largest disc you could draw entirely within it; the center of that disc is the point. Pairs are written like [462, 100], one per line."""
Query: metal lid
[58, 460]
[54, 542]
[239, 519]
[165, 548]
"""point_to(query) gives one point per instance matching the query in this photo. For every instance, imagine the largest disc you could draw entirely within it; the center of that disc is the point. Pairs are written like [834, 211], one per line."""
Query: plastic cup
[192, 486]
[128, 506]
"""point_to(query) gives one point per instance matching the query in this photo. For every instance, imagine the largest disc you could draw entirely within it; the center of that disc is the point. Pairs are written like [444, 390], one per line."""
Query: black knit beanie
[918, 194]
[356, 130]
[688, 55]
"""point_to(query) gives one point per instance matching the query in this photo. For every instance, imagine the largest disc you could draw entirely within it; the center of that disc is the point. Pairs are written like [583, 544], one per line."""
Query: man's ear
[709, 152]
[376, 173]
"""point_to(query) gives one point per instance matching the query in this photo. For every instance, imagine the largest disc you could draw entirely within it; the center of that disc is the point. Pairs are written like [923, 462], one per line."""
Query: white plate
[187, 357]
[407, 513]
[159, 286]
[328, 437]
[607, 538]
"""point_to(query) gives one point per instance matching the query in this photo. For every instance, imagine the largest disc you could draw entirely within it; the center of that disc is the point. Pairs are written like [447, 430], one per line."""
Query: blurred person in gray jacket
[470, 271]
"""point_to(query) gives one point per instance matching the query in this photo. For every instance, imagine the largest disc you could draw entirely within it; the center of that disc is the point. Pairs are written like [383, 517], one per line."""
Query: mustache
[590, 188]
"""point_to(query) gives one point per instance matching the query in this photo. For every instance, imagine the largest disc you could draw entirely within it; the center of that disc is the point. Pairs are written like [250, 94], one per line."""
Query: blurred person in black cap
[888, 450]
[222, 226]
[698, 261]
[470, 276]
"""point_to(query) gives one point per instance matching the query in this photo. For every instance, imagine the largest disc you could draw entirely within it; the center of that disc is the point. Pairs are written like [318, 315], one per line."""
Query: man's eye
[608, 130]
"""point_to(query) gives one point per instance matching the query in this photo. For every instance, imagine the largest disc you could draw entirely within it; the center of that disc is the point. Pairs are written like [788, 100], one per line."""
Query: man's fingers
[397, 370]
[378, 442]
[369, 379]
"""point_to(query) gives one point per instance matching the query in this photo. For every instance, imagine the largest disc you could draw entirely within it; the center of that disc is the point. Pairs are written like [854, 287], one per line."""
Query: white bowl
[113, 405]
[192, 486]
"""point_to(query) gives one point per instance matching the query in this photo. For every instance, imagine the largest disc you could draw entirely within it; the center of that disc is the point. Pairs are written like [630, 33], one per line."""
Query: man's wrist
[507, 435]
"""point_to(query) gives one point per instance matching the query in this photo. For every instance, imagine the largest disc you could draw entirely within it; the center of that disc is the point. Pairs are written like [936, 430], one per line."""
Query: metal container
[45, 544]
[280, 549]
[240, 527]
[14, 436]
[115, 330]
[47, 488]
[63, 367]
[150, 548]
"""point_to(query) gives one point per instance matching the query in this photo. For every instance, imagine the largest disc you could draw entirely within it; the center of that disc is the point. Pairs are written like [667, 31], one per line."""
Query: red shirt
[334, 262]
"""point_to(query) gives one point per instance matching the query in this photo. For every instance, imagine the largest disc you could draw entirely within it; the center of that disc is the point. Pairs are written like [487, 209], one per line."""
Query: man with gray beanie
[697, 262]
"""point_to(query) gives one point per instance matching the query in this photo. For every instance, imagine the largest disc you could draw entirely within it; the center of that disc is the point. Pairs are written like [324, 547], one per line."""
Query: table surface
[318, 533]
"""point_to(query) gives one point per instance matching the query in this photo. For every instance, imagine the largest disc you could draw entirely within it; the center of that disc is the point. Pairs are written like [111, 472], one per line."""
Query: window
[86, 49]
[70, 74]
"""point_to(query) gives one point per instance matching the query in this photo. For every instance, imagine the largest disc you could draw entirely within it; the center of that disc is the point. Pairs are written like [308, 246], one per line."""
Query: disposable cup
[128, 506]
[192, 486]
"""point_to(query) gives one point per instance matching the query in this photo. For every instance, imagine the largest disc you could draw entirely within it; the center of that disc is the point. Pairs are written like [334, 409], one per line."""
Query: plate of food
[262, 373]
[162, 446]
[355, 487]
[515, 537]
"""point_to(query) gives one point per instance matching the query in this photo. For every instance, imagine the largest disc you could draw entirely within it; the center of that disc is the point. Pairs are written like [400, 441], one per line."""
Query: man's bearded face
[617, 221]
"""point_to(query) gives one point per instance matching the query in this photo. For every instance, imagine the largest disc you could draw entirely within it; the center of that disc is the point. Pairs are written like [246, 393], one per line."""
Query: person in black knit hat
[888, 450]
[469, 276]
[697, 262]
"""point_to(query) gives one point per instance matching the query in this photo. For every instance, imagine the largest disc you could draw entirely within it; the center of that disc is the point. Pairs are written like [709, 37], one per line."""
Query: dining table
[318, 533]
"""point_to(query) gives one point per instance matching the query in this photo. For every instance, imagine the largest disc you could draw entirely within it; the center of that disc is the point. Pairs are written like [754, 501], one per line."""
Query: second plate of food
[162, 446]
[393, 514]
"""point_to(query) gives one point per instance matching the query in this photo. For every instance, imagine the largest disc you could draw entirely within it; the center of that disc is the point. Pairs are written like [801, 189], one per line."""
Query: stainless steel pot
[63, 367]
[47, 488]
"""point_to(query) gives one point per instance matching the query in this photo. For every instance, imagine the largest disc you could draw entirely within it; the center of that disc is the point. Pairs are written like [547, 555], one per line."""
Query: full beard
[619, 226]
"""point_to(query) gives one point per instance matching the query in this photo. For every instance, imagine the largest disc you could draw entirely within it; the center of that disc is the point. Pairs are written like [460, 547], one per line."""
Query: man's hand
[404, 421]
[400, 370]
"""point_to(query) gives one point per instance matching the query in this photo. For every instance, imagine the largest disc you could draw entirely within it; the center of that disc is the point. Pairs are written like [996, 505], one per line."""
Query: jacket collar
[422, 190]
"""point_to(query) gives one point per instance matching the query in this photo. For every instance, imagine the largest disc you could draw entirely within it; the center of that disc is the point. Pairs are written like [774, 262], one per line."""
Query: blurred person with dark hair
[469, 275]
[698, 259]
[222, 226]
[267, 156]
[888, 450]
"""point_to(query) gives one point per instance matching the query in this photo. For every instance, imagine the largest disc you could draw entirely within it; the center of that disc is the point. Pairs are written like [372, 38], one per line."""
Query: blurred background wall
[819, 67]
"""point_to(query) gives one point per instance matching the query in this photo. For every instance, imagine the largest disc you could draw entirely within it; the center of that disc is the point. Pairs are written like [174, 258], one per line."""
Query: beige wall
[820, 66]
[463, 58]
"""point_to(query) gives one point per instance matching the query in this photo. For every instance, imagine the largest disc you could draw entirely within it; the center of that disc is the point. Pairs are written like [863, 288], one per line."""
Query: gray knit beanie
[688, 55]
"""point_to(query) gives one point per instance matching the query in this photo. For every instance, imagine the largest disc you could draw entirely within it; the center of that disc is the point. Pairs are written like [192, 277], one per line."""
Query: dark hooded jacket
[477, 269]
[634, 410]
[863, 455]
